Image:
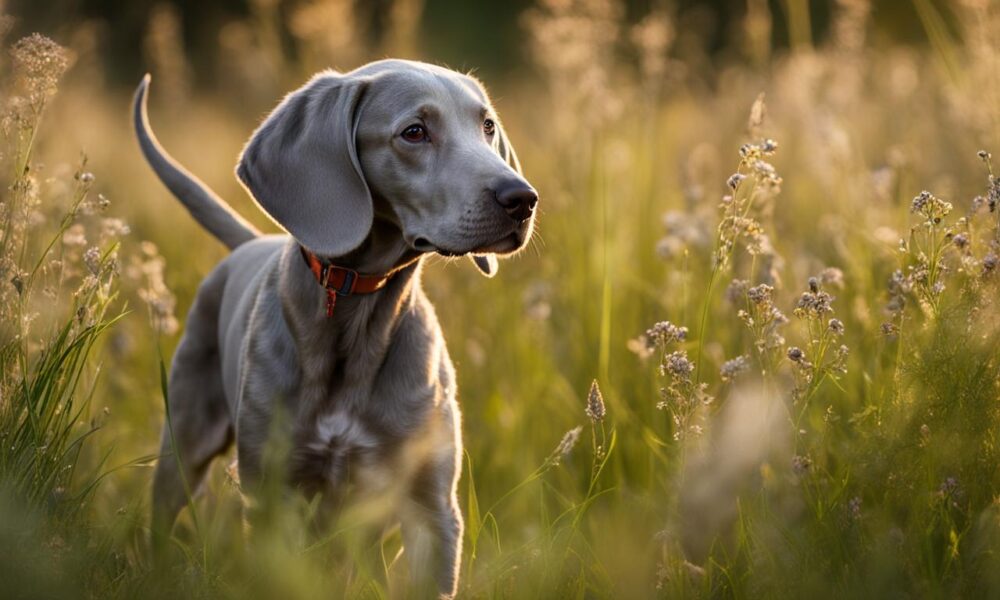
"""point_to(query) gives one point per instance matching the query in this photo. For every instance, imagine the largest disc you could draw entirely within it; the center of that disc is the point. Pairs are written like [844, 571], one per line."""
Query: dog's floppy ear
[301, 166]
[505, 149]
[487, 263]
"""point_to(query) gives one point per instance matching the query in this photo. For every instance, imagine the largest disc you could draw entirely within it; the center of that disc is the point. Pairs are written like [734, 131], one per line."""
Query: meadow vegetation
[752, 352]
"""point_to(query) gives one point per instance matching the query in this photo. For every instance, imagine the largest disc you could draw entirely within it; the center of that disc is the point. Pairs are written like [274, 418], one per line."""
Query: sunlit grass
[828, 424]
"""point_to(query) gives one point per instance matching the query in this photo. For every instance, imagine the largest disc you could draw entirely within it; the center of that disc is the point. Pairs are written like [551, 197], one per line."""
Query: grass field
[794, 344]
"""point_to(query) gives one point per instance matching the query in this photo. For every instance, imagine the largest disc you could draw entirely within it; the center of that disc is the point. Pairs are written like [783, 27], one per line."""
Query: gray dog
[368, 171]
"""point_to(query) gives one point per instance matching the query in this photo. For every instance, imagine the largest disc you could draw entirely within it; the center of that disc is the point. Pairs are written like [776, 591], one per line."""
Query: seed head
[920, 201]
[734, 367]
[566, 444]
[760, 294]
[930, 206]
[735, 179]
[665, 332]
[92, 258]
[74, 235]
[595, 403]
[795, 354]
[39, 62]
[990, 262]
[832, 276]
[678, 364]
[813, 303]
[836, 326]
[984, 155]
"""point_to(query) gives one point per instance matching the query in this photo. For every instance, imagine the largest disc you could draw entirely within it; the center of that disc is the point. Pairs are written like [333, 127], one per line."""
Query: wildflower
[950, 491]
[801, 464]
[86, 178]
[889, 329]
[854, 508]
[680, 396]
[840, 359]
[114, 228]
[815, 302]
[760, 294]
[566, 445]
[930, 207]
[595, 403]
[763, 319]
[665, 332]
[960, 240]
[641, 347]
[74, 235]
[682, 230]
[990, 262]
[653, 37]
[758, 111]
[734, 367]
[836, 326]
[39, 62]
[984, 155]
[92, 259]
[148, 271]
[737, 290]
[739, 220]
[920, 201]
[832, 276]
[948, 486]
[795, 354]
[678, 365]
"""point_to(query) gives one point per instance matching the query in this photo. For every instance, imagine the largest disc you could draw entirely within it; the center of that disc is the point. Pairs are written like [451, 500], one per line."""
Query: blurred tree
[483, 34]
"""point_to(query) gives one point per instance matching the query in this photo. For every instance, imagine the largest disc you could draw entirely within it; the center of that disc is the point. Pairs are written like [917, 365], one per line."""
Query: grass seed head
[595, 403]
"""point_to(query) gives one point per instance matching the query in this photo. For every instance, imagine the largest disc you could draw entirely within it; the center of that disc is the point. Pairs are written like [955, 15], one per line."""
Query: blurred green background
[629, 118]
[464, 34]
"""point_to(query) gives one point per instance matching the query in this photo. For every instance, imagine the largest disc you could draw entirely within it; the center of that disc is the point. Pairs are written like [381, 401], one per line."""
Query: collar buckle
[350, 279]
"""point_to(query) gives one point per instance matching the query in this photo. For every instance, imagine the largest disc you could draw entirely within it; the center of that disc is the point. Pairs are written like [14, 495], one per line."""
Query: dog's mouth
[507, 244]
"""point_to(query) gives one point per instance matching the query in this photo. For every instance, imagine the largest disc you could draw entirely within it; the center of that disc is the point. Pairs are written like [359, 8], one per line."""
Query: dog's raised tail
[204, 205]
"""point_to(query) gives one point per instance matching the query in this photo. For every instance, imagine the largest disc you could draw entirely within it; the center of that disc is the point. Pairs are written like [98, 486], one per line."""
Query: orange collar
[340, 281]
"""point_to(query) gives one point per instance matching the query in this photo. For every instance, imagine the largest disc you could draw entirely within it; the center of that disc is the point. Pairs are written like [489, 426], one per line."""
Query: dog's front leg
[432, 522]
[432, 542]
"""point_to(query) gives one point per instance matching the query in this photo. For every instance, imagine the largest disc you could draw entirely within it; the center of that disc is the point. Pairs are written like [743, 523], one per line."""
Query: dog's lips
[507, 243]
[510, 242]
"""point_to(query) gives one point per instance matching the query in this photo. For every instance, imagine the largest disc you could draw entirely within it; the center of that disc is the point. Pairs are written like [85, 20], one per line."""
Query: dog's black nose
[518, 199]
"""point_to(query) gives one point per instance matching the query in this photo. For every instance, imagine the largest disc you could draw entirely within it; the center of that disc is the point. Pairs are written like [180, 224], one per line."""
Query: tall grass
[795, 345]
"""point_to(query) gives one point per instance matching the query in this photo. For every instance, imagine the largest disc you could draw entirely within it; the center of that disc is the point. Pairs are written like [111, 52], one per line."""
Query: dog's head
[416, 144]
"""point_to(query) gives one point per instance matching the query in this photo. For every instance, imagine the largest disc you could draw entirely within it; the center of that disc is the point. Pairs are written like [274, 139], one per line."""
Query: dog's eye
[415, 134]
[489, 127]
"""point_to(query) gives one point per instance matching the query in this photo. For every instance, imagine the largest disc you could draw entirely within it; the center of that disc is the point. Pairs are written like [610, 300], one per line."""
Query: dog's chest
[340, 449]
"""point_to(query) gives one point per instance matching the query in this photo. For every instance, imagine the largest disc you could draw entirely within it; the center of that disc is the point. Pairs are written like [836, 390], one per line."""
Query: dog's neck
[357, 317]
[382, 252]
